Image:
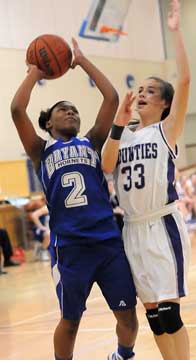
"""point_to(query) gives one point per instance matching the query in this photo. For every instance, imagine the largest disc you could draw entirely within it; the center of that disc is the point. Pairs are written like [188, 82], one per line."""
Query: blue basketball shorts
[76, 268]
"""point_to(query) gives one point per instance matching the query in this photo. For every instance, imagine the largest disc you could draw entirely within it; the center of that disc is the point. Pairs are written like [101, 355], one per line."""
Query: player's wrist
[80, 59]
[33, 72]
[116, 131]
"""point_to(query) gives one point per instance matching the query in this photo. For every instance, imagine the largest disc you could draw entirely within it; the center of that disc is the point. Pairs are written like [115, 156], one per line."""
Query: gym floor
[29, 313]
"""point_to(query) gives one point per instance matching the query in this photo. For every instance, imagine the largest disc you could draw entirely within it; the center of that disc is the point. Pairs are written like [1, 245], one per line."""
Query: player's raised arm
[32, 143]
[99, 131]
[111, 147]
[174, 123]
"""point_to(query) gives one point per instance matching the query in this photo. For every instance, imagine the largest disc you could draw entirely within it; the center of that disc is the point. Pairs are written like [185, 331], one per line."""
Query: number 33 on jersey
[144, 173]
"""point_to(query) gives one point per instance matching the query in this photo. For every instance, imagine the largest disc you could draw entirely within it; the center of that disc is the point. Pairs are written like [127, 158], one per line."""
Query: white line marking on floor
[39, 316]
[90, 330]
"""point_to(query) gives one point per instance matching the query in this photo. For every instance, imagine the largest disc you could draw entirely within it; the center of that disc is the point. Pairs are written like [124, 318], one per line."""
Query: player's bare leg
[126, 330]
[182, 347]
[166, 346]
[163, 340]
[180, 341]
[172, 339]
[46, 240]
[64, 338]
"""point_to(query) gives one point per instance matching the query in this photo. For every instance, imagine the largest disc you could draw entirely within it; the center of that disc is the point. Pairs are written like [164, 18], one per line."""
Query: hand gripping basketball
[51, 54]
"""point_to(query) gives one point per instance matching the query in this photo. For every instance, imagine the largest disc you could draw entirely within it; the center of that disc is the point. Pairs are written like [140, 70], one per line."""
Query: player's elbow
[185, 80]
[107, 170]
[114, 98]
[188, 78]
[15, 111]
[107, 167]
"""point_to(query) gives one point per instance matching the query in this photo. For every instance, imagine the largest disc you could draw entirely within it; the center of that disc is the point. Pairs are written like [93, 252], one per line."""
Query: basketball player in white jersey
[155, 236]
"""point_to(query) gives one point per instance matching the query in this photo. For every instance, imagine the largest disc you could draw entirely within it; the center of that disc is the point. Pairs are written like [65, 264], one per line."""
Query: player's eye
[74, 110]
[62, 109]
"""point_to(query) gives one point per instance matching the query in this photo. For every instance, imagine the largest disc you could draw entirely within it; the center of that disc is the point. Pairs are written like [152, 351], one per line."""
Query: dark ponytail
[44, 116]
[43, 119]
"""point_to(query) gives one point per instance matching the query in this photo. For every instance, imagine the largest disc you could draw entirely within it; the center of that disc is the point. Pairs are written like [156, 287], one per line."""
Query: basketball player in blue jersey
[86, 246]
[155, 236]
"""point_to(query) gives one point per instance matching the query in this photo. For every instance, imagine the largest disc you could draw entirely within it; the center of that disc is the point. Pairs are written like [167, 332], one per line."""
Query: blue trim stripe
[83, 27]
[88, 36]
[42, 176]
[172, 153]
[175, 239]
[171, 191]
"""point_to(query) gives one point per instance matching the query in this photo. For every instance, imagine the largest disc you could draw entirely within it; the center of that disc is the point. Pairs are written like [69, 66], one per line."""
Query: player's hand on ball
[33, 68]
[77, 54]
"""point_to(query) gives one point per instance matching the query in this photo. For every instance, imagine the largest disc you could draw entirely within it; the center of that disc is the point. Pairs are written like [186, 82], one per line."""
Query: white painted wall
[74, 86]
[188, 16]
[23, 20]
[18, 18]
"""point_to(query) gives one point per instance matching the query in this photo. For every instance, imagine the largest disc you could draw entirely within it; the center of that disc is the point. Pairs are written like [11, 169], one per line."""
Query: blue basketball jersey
[76, 193]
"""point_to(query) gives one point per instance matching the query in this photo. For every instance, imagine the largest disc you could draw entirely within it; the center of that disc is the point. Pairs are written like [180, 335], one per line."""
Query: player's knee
[169, 315]
[69, 326]
[154, 322]
[127, 319]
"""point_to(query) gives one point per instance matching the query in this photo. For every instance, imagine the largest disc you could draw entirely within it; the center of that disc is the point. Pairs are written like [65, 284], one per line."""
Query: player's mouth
[70, 119]
[141, 103]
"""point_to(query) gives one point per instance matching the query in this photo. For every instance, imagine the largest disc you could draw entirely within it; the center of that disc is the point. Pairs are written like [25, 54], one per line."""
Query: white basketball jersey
[144, 174]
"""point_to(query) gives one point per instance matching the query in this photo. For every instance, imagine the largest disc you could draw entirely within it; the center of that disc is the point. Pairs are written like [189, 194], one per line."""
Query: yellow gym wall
[13, 179]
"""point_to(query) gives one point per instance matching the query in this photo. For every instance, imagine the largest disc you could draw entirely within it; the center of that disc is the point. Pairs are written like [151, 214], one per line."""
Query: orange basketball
[51, 54]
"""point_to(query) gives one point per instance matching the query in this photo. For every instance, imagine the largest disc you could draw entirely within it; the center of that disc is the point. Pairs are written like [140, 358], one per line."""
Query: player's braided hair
[167, 93]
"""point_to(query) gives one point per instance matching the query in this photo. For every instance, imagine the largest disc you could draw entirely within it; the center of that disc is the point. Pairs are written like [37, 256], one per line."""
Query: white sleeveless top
[144, 175]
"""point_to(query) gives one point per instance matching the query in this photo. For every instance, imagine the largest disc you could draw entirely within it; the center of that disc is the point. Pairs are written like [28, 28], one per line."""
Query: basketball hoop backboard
[105, 14]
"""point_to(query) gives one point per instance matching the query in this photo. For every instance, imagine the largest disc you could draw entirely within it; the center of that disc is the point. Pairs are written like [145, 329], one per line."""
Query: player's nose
[141, 94]
[70, 111]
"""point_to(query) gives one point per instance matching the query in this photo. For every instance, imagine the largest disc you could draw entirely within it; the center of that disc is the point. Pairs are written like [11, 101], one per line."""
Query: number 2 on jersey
[75, 197]
[128, 171]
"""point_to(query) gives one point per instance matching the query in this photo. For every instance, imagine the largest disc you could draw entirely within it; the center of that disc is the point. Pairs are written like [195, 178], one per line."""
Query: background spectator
[5, 245]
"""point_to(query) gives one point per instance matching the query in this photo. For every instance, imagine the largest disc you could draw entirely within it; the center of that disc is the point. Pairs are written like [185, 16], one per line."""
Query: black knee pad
[154, 322]
[169, 315]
